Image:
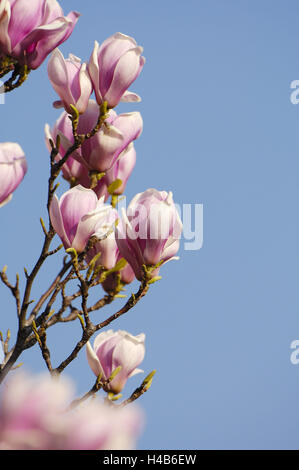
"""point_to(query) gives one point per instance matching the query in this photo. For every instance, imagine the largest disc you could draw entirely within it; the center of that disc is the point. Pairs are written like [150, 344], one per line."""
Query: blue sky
[219, 130]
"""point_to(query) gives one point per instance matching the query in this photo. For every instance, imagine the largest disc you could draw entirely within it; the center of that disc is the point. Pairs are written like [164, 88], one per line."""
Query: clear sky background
[219, 130]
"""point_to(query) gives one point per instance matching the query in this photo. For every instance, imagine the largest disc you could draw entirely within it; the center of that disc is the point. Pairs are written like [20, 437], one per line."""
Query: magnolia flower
[100, 152]
[13, 168]
[33, 416]
[148, 234]
[113, 67]
[78, 215]
[30, 30]
[70, 80]
[113, 349]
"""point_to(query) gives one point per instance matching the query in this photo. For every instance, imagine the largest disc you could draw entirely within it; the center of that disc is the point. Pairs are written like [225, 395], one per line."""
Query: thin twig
[146, 384]
[90, 329]
[55, 286]
[94, 389]
[144, 286]
[25, 325]
[19, 75]
[14, 289]
[41, 338]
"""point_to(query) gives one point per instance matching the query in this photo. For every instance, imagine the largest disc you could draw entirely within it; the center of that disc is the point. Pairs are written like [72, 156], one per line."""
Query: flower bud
[13, 168]
[126, 276]
[78, 215]
[113, 349]
[29, 31]
[148, 234]
[113, 67]
[70, 80]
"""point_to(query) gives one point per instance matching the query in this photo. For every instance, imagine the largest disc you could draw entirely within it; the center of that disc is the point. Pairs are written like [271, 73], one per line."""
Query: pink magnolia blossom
[30, 30]
[77, 173]
[149, 232]
[113, 67]
[34, 416]
[101, 151]
[78, 215]
[70, 80]
[113, 349]
[13, 168]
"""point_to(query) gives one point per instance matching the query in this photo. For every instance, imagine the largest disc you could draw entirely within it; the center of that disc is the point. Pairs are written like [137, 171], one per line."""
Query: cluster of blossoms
[95, 147]
[148, 233]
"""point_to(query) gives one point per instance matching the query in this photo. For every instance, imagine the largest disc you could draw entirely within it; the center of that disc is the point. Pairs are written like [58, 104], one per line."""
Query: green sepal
[114, 186]
[114, 373]
[155, 279]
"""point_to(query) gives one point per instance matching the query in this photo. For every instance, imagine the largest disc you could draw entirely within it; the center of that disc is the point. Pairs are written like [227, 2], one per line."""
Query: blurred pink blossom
[34, 416]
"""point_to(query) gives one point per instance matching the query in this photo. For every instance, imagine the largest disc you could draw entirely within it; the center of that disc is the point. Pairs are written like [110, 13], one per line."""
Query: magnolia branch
[26, 325]
[89, 330]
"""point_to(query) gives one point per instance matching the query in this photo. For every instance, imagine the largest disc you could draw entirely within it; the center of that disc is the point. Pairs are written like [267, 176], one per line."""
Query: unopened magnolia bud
[78, 215]
[113, 349]
[113, 67]
[70, 80]
[149, 232]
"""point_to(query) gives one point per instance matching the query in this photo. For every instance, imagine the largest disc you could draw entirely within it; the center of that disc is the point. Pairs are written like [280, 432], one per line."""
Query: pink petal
[44, 39]
[57, 222]
[74, 205]
[130, 97]
[109, 54]
[58, 76]
[93, 361]
[5, 13]
[126, 71]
